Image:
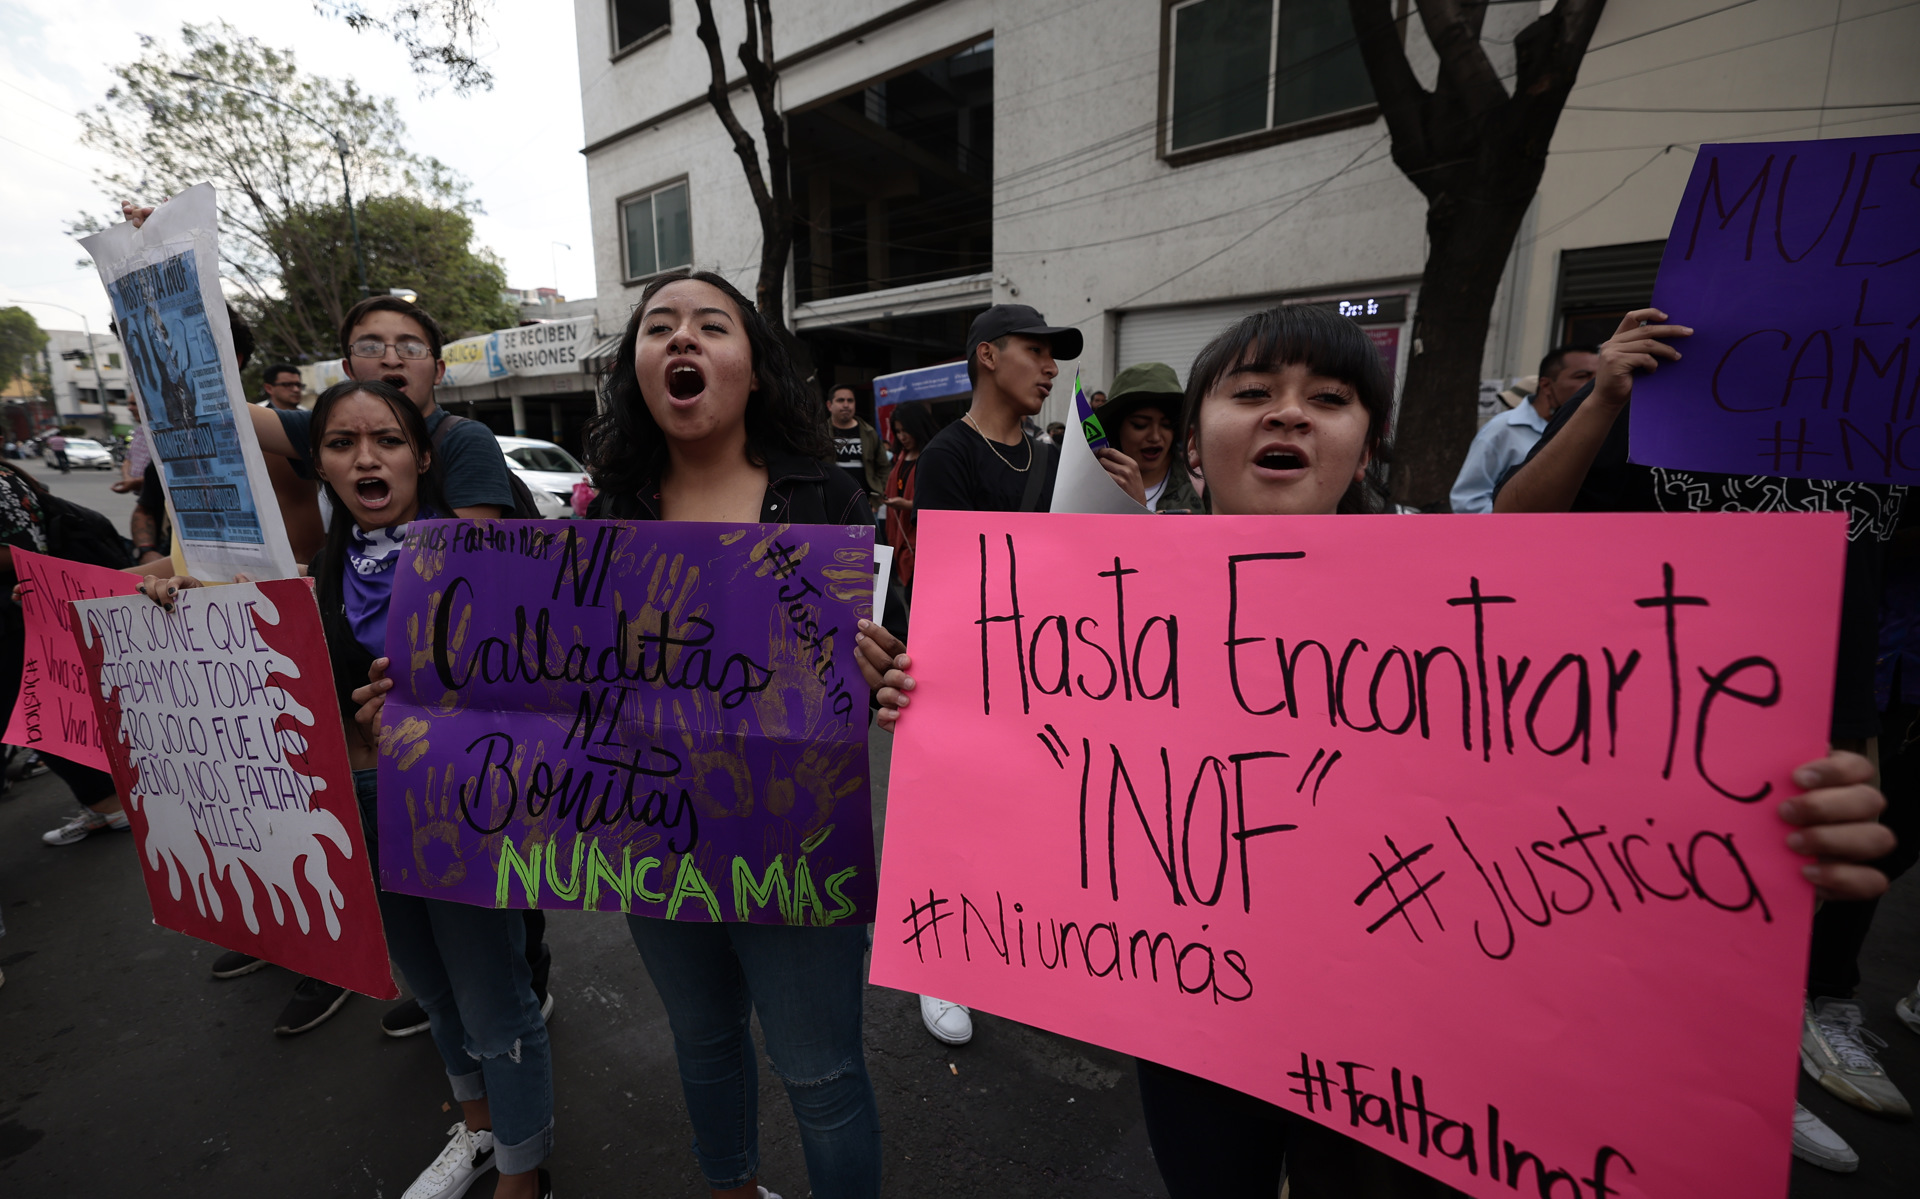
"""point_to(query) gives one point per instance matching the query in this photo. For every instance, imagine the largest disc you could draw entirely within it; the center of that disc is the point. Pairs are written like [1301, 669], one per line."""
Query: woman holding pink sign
[1286, 412]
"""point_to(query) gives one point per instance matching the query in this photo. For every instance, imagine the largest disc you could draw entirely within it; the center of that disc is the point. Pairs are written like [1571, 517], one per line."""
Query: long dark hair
[333, 554]
[915, 421]
[625, 448]
[1326, 344]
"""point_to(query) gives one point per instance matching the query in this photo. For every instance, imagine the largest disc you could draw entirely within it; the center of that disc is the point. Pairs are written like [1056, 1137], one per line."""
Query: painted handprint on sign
[668, 706]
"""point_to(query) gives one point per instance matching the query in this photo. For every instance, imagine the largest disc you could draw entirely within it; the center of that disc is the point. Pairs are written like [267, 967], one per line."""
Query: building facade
[80, 371]
[1148, 170]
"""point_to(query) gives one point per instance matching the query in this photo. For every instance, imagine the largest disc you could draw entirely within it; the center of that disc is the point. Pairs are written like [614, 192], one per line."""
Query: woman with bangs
[466, 965]
[705, 418]
[1286, 413]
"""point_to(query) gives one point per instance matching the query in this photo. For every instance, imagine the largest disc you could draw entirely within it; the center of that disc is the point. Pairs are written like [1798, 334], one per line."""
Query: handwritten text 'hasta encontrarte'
[1198, 828]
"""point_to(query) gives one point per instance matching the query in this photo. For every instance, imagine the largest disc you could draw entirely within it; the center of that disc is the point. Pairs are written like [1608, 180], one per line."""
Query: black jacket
[800, 491]
[350, 659]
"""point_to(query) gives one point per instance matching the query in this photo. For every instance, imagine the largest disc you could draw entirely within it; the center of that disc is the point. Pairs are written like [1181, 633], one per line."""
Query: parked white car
[547, 470]
[85, 452]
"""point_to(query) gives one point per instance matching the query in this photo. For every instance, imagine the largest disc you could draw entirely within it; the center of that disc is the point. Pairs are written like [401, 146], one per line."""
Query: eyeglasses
[294, 383]
[369, 347]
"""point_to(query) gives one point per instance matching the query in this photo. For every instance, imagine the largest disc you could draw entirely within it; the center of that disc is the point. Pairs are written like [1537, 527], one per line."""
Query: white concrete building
[1148, 171]
[70, 361]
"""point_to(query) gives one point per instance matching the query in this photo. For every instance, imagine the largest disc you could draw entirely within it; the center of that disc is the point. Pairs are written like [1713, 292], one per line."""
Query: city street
[126, 1069]
[93, 488]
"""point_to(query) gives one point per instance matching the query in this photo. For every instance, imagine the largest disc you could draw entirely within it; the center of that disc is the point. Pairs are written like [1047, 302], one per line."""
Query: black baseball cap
[1003, 319]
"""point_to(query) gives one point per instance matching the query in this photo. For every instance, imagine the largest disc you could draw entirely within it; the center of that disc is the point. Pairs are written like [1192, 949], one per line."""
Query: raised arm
[1551, 478]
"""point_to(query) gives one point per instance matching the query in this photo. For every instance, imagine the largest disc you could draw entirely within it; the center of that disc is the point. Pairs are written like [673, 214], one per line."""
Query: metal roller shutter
[1176, 335]
[1600, 284]
[1609, 276]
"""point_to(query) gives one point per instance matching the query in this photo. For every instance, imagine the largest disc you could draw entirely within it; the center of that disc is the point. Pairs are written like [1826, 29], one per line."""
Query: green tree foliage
[286, 252]
[410, 244]
[21, 340]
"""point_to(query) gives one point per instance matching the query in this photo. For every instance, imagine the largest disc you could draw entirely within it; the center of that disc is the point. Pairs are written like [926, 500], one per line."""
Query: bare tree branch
[709, 34]
[439, 36]
[776, 219]
[1396, 88]
[773, 189]
[1453, 28]
[1476, 151]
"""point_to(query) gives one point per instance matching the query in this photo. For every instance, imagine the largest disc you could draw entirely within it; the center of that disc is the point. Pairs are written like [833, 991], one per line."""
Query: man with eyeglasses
[395, 341]
[284, 387]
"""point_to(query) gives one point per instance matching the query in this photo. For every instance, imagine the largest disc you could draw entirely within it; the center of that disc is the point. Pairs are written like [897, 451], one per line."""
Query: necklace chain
[994, 448]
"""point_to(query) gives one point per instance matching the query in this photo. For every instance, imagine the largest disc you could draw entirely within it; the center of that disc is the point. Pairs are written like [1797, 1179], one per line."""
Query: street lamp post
[339, 146]
[99, 381]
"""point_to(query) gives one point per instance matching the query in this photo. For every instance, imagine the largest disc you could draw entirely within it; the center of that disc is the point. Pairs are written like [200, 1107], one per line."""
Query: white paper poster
[1083, 485]
[163, 280]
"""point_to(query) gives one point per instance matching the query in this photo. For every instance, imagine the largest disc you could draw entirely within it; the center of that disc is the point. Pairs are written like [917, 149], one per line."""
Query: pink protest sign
[1457, 834]
[54, 713]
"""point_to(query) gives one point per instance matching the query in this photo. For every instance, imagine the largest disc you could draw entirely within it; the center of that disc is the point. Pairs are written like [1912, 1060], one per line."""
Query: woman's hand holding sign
[1639, 344]
[372, 699]
[1839, 826]
[884, 663]
[1125, 473]
[163, 590]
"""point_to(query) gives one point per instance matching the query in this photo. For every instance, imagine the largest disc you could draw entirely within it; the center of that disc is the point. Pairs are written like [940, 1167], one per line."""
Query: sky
[518, 145]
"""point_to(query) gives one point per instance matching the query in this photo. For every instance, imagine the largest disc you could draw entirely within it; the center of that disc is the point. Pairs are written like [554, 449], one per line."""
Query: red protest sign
[54, 713]
[224, 735]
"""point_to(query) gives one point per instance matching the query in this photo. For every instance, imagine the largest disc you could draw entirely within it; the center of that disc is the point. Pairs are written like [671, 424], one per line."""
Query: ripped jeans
[807, 985]
[468, 968]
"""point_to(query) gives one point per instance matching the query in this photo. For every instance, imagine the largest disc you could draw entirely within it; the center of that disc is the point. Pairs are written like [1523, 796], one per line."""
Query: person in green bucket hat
[1142, 420]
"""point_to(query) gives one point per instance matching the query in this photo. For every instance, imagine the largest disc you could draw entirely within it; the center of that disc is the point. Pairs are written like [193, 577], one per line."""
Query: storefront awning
[598, 359]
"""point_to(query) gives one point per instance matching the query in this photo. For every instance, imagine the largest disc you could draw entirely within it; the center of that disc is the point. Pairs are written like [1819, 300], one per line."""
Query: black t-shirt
[960, 470]
[1873, 512]
[152, 498]
[846, 451]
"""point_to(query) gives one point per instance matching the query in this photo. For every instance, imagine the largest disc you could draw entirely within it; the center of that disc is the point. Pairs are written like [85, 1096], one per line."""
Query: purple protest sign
[1797, 264]
[658, 718]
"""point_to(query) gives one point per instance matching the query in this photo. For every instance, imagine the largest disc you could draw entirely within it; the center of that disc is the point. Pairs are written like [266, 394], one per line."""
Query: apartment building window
[657, 230]
[636, 22]
[1245, 73]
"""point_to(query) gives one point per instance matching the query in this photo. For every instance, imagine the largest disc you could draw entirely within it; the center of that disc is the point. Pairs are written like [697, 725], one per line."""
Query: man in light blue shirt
[1504, 441]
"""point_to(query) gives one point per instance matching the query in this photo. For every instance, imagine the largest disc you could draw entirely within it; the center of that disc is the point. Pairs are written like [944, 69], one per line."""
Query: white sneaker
[83, 823]
[948, 1022]
[467, 1156]
[1908, 1009]
[1836, 1050]
[766, 1194]
[1819, 1145]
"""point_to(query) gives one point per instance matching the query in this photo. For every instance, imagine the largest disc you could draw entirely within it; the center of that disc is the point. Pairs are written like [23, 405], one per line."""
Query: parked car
[547, 470]
[83, 452]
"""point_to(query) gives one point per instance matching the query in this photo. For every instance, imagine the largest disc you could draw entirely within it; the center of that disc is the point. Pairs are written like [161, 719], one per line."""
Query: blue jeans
[807, 984]
[468, 968]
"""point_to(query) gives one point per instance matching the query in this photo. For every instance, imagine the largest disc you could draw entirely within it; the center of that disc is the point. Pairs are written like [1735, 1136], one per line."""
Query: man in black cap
[986, 462]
